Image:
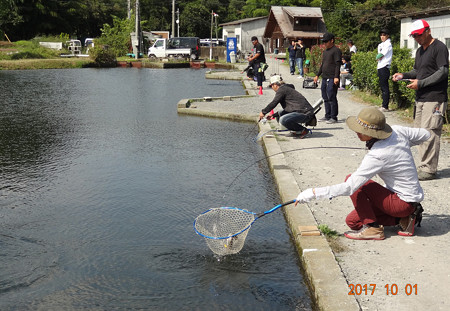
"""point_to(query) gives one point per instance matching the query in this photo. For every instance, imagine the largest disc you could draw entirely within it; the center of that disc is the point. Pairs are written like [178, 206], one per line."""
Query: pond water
[101, 181]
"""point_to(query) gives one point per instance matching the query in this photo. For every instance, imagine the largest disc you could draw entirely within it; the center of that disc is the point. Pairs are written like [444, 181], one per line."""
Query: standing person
[296, 108]
[429, 78]
[300, 55]
[330, 71]
[389, 157]
[351, 46]
[384, 59]
[257, 58]
[292, 51]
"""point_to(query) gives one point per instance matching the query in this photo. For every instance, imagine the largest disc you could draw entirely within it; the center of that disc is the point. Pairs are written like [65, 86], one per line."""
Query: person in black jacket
[296, 108]
[330, 71]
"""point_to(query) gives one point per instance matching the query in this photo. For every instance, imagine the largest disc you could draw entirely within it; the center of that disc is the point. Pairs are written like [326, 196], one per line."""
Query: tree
[9, 15]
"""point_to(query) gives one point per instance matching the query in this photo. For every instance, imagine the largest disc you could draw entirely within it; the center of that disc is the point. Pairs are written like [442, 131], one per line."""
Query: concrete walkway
[399, 273]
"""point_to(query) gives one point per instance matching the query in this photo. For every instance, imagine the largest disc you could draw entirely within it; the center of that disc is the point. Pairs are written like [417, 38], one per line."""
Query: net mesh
[223, 228]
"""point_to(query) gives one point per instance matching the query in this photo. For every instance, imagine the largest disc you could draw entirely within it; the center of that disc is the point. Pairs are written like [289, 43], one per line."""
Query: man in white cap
[389, 157]
[429, 78]
[296, 108]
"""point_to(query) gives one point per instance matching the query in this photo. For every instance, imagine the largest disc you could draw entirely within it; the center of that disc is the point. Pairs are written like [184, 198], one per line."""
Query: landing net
[224, 228]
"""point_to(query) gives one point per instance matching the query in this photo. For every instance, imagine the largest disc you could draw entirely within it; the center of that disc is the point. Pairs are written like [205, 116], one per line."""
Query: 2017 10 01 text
[391, 289]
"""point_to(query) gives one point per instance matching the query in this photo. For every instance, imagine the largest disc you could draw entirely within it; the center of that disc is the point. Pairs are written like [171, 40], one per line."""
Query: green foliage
[117, 37]
[28, 50]
[365, 75]
[102, 55]
[327, 231]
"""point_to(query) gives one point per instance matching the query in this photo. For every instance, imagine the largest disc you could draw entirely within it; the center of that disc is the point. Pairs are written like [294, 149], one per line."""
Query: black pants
[258, 73]
[383, 75]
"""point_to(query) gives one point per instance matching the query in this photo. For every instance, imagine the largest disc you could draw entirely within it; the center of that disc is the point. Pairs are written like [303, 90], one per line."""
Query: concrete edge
[219, 115]
[328, 284]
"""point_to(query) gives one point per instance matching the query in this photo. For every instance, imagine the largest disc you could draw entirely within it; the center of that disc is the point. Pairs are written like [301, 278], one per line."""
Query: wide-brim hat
[371, 122]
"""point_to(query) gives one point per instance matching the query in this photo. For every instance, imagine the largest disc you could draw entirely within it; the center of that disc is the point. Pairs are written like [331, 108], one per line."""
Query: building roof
[241, 21]
[426, 13]
[283, 16]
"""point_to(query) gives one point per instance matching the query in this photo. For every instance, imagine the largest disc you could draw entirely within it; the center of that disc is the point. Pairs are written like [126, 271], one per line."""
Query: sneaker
[407, 223]
[331, 121]
[323, 119]
[366, 233]
[426, 176]
[299, 134]
[300, 77]
[341, 88]
[382, 109]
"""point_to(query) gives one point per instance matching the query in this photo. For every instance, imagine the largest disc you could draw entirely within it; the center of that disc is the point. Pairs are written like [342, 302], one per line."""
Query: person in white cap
[389, 157]
[429, 77]
[296, 108]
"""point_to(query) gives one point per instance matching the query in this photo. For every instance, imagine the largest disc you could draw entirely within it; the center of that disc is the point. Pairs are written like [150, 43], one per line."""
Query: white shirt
[385, 48]
[392, 160]
[353, 49]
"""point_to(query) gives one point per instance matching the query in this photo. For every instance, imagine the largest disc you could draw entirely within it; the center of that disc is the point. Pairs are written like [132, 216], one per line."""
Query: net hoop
[225, 219]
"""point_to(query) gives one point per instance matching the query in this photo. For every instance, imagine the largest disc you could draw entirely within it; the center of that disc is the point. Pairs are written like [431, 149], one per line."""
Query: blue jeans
[300, 65]
[292, 121]
[329, 95]
[292, 65]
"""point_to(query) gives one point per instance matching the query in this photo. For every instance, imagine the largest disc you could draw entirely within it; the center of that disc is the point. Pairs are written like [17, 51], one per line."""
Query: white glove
[306, 196]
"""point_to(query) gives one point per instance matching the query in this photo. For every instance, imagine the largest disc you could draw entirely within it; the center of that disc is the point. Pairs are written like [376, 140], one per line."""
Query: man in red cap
[429, 78]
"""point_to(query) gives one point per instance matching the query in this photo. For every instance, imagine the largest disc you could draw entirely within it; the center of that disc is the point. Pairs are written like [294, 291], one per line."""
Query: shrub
[102, 55]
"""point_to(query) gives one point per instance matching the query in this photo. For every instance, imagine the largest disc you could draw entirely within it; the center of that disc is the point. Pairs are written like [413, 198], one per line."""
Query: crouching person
[389, 156]
[296, 108]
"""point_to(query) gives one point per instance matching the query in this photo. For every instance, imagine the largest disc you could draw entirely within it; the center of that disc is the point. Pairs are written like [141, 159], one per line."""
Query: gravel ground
[408, 273]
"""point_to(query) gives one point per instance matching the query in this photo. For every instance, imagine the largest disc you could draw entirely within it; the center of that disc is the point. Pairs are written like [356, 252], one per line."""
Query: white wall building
[439, 21]
[244, 30]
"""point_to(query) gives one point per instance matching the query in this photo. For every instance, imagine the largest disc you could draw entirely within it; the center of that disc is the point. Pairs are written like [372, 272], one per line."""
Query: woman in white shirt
[390, 158]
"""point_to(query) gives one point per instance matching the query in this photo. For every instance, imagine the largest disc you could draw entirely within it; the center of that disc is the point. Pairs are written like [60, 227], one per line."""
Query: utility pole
[129, 9]
[210, 37]
[173, 19]
[178, 22]
[138, 30]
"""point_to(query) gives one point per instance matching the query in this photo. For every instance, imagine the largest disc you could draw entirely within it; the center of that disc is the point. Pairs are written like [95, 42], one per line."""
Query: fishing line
[283, 152]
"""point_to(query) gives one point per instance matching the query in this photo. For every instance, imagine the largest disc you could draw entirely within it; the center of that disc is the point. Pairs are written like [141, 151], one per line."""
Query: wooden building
[290, 23]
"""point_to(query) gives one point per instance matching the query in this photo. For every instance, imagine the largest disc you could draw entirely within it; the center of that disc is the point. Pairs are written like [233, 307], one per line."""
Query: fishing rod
[283, 152]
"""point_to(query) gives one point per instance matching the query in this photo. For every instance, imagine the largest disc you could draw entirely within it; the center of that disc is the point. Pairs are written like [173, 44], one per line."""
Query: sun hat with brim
[371, 122]
[418, 27]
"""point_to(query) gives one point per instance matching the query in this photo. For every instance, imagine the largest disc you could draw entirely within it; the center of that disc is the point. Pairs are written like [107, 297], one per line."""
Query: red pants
[374, 202]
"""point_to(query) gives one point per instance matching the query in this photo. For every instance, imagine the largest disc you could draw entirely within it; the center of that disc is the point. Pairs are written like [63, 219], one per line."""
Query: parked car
[187, 42]
[162, 48]
[215, 42]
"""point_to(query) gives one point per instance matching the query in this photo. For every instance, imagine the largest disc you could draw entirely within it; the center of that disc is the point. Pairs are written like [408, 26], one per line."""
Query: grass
[332, 238]
[57, 63]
